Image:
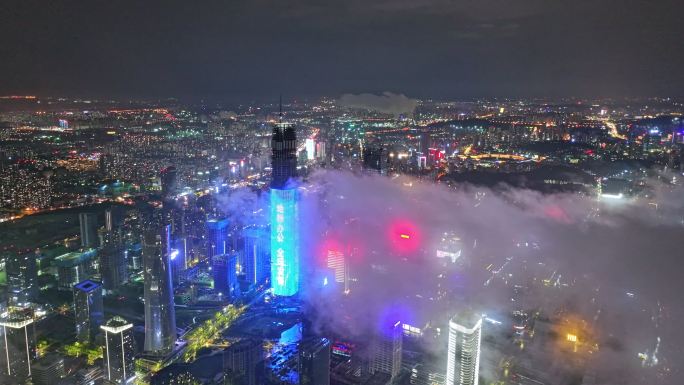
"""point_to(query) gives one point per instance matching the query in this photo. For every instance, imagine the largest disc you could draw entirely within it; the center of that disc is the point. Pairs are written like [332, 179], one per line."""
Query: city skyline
[360, 192]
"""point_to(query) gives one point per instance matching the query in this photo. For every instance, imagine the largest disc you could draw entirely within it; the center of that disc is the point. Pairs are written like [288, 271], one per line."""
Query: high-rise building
[160, 317]
[337, 263]
[113, 266]
[47, 370]
[169, 182]
[463, 361]
[75, 267]
[119, 351]
[375, 159]
[283, 155]
[386, 351]
[314, 361]
[224, 268]
[88, 310]
[113, 261]
[217, 237]
[18, 346]
[88, 225]
[310, 146]
[22, 277]
[284, 212]
[241, 359]
[256, 263]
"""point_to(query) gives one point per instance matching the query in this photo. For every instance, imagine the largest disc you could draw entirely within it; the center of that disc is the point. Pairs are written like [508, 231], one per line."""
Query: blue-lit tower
[88, 310]
[256, 264]
[224, 268]
[217, 237]
[284, 212]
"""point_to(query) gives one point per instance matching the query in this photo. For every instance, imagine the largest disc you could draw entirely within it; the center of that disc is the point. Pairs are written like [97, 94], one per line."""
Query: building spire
[280, 113]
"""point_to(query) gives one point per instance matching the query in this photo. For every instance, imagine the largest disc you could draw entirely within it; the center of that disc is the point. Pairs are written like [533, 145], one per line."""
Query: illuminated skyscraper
[119, 351]
[283, 155]
[284, 212]
[224, 268]
[386, 351]
[88, 225]
[113, 263]
[310, 147]
[463, 361]
[88, 309]
[337, 263]
[22, 278]
[160, 317]
[18, 346]
[256, 255]
[217, 237]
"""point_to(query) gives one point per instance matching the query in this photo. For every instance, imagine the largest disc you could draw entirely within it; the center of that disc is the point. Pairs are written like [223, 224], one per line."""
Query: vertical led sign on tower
[284, 241]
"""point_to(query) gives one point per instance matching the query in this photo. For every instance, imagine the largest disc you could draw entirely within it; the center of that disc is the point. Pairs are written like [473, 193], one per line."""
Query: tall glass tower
[463, 362]
[160, 317]
[119, 351]
[17, 347]
[256, 255]
[284, 212]
[88, 310]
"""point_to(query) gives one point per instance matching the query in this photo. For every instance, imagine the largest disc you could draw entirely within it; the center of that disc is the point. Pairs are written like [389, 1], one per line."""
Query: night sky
[423, 48]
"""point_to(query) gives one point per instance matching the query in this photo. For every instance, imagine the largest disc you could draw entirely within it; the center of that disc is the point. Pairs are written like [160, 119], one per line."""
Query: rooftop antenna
[280, 114]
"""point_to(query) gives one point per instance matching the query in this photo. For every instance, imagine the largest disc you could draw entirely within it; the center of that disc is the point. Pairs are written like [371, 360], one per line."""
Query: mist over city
[376, 192]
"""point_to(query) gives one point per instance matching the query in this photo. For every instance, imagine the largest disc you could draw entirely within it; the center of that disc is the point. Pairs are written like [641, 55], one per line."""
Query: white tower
[463, 362]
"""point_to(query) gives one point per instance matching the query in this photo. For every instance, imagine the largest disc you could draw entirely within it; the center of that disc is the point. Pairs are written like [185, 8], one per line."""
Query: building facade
[463, 361]
[160, 317]
[88, 310]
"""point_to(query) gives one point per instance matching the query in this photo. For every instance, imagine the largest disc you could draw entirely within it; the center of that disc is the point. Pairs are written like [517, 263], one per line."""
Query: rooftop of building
[75, 258]
[87, 286]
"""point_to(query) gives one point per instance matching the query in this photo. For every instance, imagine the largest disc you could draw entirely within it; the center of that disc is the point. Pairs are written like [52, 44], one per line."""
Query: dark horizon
[431, 49]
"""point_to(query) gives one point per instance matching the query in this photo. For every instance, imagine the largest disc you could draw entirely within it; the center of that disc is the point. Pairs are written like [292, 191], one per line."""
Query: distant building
[17, 346]
[169, 181]
[463, 361]
[22, 277]
[224, 269]
[119, 351]
[160, 318]
[88, 310]
[47, 370]
[88, 225]
[375, 159]
[314, 362]
[386, 351]
[256, 265]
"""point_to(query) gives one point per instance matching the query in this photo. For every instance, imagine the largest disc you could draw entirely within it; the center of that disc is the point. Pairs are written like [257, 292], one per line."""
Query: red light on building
[404, 237]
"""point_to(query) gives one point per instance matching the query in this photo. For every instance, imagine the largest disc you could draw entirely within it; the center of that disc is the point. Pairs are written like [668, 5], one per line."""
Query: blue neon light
[284, 242]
